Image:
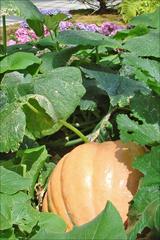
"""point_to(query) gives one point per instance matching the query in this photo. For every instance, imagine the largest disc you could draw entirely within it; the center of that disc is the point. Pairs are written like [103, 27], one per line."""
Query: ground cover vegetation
[68, 88]
[127, 8]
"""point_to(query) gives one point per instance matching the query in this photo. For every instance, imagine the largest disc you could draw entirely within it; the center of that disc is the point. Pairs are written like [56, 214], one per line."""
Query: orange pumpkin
[88, 176]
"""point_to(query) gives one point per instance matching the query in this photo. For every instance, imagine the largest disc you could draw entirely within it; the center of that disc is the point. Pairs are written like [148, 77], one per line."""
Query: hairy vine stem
[75, 130]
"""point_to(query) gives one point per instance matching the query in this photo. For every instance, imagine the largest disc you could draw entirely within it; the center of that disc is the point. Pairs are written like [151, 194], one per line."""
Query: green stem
[4, 34]
[75, 130]
[57, 43]
[51, 35]
[73, 142]
[32, 108]
[24, 167]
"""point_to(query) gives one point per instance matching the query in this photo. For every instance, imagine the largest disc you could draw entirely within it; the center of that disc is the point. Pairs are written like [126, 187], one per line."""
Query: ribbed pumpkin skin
[88, 176]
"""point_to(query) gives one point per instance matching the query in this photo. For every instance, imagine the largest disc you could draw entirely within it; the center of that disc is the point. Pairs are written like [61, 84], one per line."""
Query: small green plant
[131, 8]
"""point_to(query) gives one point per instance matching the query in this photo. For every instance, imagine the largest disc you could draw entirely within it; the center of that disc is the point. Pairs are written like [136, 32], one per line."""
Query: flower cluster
[107, 28]
[24, 34]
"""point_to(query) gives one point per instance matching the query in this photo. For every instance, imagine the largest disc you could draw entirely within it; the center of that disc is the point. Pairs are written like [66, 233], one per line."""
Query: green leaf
[150, 66]
[142, 133]
[5, 212]
[53, 60]
[149, 41]
[118, 88]
[12, 182]
[52, 22]
[46, 42]
[149, 165]
[8, 235]
[100, 228]
[18, 61]
[149, 218]
[150, 19]
[12, 165]
[139, 30]
[45, 173]
[12, 120]
[3, 99]
[145, 210]
[27, 10]
[87, 105]
[146, 107]
[50, 222]
[14, 85]
[34, 159]
[63, 87]
[80, 37]
[40, 115]
[47, 62]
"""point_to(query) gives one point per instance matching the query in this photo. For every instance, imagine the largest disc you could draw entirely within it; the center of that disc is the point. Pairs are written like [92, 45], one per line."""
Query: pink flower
[11, 42]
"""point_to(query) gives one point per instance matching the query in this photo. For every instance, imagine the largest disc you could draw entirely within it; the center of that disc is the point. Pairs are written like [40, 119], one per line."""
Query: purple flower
[65, 25]
[108, 28]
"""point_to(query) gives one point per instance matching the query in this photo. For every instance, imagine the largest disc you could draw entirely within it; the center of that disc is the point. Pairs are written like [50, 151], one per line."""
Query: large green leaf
[80, 37]
[145, 210]
[27, 10]
[12, 182]
[118, 88]
[100, 228]
[146, 45]
[56, 95]
[142, 133]
[63, 87]
[18, 61]
[12, 126]
[150, 19]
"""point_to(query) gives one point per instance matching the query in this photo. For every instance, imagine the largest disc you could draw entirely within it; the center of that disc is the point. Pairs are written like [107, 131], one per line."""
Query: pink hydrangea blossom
[11, 42]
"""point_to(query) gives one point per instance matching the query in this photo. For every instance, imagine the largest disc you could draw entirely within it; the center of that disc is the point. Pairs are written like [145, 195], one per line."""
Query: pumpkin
[88, 176]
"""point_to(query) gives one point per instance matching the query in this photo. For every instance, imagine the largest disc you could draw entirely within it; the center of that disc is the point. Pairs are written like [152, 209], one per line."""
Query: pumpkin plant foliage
[83, 87]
